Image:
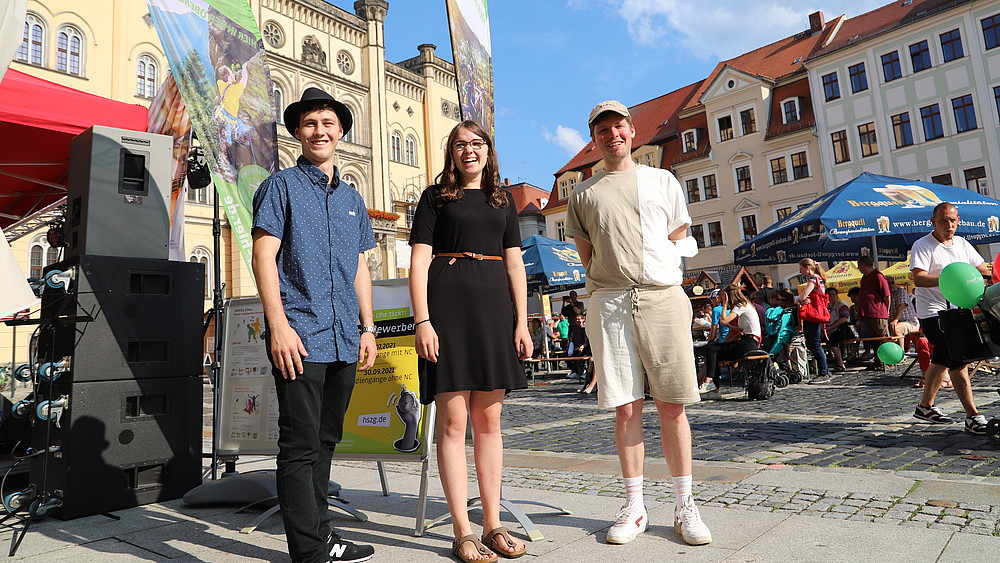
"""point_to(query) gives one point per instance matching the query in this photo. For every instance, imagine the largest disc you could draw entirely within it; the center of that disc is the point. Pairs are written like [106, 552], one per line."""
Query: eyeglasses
[459, 146]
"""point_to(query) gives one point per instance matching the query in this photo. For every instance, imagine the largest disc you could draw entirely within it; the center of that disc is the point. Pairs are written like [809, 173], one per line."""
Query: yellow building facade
[402, 111]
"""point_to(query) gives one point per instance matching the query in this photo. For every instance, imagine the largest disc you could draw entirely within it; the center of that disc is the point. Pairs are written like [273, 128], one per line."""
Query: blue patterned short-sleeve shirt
[323, 226]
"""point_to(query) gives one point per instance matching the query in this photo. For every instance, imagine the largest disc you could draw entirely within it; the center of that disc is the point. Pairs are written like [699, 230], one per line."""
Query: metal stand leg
[422, 498]
[332, 501]
[529, 527]
[257, 521]
[382, 478]
[339, 504]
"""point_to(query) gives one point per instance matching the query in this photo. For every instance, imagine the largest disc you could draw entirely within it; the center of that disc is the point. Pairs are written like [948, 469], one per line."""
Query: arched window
[69, 51]
[411, 209]
[145, 71]
[40, 255]
[349, 180]
[411, 150]
[349, 136]
[32, 42]
[397, 147]
[279, 104]
[201, 255]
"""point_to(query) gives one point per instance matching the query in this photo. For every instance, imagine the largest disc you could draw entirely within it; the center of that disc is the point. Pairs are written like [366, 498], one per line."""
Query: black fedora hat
[294, 110]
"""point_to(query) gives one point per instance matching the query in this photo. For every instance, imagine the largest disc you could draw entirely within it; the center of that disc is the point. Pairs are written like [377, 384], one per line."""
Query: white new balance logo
[338, 550]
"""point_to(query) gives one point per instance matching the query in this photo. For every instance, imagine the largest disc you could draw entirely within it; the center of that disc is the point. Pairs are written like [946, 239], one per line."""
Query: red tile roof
[800, 88]
[881, 20]
[776, 61]
[526, 195]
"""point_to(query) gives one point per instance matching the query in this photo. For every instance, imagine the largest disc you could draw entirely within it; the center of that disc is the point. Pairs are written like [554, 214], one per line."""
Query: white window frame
[49, 254]
[396, 147]
[147, 71]
[718, 126]
[739, 117]
[349, 136]
[736, 178]
[71, 33]
[278, 101]
[694, 133]
[560, 228]
[411, 150]
[31, 22]
[798, 109]
[200, 254]
[756, 224]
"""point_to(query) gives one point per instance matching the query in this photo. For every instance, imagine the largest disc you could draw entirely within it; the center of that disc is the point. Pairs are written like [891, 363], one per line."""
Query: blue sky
[554, 59]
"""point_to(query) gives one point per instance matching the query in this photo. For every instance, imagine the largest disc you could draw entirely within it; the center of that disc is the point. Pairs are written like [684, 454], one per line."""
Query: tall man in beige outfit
[630, 226]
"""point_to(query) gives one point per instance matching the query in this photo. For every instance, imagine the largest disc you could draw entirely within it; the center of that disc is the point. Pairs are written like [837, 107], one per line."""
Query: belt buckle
[477, 256]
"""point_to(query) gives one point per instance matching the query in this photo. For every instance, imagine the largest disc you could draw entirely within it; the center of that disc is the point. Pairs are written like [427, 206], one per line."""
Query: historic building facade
[402, 111]
[912, 90]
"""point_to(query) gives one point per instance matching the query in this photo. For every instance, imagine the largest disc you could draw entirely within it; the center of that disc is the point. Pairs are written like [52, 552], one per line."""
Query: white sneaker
[708, 387]
[630, 522]
[687, 522]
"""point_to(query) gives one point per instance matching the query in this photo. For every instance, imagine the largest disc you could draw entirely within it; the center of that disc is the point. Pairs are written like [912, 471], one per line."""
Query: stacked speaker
[118, 399]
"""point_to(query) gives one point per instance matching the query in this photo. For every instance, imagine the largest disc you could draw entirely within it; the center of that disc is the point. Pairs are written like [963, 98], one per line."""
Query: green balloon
[962, 284]
[890, 353]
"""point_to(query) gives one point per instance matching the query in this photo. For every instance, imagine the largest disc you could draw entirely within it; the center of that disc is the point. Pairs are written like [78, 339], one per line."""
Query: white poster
[16, 294]
[246, 413]
[12, 16]
[402, 254]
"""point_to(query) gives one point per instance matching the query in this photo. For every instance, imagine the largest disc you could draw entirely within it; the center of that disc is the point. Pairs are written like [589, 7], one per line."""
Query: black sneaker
[933, 415]
[820, 379]
[976, 424]
[344, 551]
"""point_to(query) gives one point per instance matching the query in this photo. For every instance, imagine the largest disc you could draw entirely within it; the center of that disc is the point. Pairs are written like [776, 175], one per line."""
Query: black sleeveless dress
[469, 301]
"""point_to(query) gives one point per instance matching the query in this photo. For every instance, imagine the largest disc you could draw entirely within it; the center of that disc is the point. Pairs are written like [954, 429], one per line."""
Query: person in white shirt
[744, 335]
[928, 257]
[630, 225]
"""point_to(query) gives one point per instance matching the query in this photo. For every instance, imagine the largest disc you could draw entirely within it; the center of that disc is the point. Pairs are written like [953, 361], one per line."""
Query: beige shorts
[906, 327]
[642, 331]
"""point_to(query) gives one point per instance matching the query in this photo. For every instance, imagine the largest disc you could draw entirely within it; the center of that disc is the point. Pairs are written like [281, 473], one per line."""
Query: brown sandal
[505, 549]
[456, 549]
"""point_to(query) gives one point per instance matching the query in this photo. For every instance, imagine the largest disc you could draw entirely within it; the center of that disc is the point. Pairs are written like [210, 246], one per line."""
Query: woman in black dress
[469, 297]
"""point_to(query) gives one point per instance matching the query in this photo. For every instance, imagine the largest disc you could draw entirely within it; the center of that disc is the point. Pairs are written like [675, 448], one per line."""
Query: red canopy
[38, 119]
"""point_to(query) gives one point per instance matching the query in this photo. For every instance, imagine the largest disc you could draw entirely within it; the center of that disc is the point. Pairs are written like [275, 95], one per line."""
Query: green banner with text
[217, 58]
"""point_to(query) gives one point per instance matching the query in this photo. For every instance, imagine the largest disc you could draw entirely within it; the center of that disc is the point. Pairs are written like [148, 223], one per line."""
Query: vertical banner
[168, 116]
[218, 61]
[12, 32]
[16, 294]
[469, 22]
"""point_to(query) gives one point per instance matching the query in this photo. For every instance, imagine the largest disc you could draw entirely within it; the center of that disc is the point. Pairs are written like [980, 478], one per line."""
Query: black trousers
[727, 351]
[310, 425]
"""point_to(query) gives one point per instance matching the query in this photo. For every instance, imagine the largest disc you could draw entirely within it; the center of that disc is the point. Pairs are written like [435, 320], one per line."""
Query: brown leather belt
[469, 255]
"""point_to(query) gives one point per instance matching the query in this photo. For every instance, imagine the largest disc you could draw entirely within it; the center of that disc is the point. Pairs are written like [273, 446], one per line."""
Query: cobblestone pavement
[859, 420]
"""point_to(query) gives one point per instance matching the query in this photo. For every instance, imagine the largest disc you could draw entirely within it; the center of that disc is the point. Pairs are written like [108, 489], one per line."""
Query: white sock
[682, 489]
[633, 489]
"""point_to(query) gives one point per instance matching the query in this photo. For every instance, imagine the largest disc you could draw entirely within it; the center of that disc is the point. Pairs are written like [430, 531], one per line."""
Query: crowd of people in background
[736, 321]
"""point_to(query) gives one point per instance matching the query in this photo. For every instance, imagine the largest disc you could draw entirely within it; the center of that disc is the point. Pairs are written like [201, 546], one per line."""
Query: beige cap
[610, 105]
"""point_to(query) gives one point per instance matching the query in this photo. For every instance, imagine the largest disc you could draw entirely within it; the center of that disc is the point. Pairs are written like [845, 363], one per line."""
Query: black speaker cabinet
[146, 319]
[118, 444]
[119, 193]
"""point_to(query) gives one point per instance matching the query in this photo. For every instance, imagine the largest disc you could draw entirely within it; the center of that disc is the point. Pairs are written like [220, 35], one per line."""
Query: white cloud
[570, 140]
[721, 30]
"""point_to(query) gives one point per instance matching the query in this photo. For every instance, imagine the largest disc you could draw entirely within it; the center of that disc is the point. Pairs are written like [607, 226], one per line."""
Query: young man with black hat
[630, 226]
[311, 231]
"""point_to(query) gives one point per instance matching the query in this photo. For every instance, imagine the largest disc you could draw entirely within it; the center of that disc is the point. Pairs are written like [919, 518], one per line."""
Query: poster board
[385, 420]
